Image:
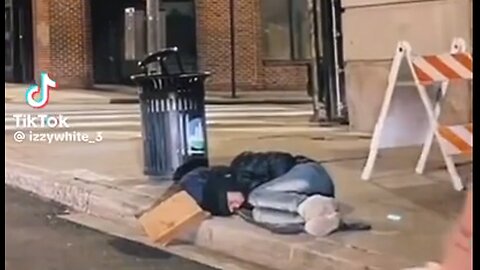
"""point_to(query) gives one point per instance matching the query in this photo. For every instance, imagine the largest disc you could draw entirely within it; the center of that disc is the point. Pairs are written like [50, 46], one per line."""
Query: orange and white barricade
[411, 107]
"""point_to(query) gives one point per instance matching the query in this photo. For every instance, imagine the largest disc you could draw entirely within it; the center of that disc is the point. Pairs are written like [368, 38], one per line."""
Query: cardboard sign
[170, 218]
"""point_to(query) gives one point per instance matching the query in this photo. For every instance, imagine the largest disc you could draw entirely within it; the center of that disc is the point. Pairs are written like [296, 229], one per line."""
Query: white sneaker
[315, 206]
[322, 225]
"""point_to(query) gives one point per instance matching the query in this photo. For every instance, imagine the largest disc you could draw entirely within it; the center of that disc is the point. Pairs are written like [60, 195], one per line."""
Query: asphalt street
[36, 239]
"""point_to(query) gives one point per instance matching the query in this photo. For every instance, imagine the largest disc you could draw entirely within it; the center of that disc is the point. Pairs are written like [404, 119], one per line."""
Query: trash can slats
[173, 120]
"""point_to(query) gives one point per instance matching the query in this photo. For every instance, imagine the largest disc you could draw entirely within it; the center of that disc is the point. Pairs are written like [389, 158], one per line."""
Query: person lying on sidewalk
[301, 199]
[274, 190]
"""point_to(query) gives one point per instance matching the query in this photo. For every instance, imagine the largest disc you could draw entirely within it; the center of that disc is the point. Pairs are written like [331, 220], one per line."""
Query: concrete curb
[287, 252]
[130, 96]
[83, 196]
[225, 235]
[119, 229]
[225, 101]
[220, 100]
[134, 100]
[66, 101]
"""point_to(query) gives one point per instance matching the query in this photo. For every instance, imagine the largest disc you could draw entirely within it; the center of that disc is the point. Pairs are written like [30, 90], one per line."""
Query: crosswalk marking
[129, 117]
[130, 124]
[103, 115]
[208, 109]
[209, 115]
[89, 117]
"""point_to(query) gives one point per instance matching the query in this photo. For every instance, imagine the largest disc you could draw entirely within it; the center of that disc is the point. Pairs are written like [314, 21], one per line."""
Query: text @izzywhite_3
[57, 137]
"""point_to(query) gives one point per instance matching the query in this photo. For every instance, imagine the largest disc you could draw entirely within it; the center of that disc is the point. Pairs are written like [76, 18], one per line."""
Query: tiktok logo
[41, 93]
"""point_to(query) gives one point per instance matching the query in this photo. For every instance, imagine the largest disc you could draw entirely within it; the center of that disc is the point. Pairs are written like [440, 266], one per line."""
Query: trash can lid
[157, 75]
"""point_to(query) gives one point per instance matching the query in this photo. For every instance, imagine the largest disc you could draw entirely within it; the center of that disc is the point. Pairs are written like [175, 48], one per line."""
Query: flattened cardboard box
[173, 216]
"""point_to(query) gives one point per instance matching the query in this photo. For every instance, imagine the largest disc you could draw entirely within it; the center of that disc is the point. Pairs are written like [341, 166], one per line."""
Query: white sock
[316, 205]
[322, 225]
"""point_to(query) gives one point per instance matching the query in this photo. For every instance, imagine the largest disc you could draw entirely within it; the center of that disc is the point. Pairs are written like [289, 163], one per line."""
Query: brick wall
[41, 36]
[213, 40]
[213, 44]
[248, 46]
[63, 45]
[286, 77]
[62, 41]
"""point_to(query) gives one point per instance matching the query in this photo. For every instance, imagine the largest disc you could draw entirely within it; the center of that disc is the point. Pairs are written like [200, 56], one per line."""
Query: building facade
[80, 41]
[86, 42]
[371, 30]
[271, 48]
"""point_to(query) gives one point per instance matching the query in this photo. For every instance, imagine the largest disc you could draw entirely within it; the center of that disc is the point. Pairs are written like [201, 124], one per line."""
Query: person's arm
[458, 253]
[458, 249]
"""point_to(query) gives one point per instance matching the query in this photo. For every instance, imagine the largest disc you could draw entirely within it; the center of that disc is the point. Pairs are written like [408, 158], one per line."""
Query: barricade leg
[458, 45]
[427, 146]
[372, 156]
[456, 180]
[402, 48]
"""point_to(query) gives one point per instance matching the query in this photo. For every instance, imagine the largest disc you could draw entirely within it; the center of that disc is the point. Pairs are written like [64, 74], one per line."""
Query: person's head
[214, 189]
[221, 198]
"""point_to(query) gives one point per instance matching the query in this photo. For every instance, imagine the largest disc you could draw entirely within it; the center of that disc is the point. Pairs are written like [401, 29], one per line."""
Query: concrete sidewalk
[105, 180]
[119, 94]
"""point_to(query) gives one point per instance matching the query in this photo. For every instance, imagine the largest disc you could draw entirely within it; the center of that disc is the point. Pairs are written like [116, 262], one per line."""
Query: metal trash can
[172, 113]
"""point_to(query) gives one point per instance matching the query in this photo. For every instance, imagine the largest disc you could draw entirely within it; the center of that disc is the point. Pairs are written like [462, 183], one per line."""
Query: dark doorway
[107, 38]
[114, 56]
[180, 18]
[332, 81]
[18, 41]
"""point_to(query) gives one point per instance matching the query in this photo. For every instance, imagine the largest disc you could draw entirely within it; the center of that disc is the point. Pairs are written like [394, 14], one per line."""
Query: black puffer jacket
[248, 170]
[209, 187]
[252, 169]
